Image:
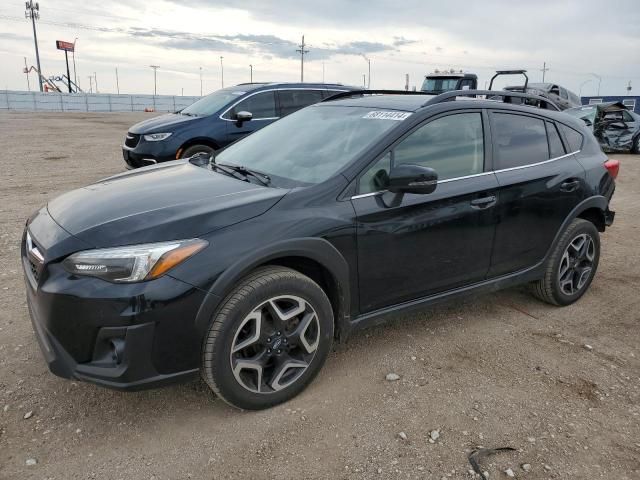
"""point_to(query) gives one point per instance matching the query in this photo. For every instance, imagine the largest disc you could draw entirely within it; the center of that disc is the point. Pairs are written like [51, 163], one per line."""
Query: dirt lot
[499, 370]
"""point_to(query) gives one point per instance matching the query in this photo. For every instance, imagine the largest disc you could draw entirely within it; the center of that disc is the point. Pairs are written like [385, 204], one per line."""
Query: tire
[193, 149]
[636, 145]
[572, 265]
[268, 339]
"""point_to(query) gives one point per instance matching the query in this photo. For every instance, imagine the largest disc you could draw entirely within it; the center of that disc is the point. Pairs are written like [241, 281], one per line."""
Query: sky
[586, 44]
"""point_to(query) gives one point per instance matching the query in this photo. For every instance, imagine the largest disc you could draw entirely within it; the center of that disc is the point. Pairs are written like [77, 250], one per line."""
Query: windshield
[212, 103]
[312, 144]
[583, 113]
[439, 84]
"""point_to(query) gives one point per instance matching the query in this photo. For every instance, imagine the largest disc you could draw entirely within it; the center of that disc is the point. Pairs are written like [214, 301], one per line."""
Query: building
[632, 103]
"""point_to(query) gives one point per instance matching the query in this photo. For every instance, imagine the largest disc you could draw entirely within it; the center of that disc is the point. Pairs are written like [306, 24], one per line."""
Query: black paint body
[374, 254]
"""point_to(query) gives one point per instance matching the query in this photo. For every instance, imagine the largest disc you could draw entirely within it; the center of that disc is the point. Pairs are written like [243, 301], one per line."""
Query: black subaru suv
[246, 266]
[221, 118]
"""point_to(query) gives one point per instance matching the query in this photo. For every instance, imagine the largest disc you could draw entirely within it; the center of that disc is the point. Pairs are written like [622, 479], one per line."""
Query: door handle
[483, 202]
[570, 186]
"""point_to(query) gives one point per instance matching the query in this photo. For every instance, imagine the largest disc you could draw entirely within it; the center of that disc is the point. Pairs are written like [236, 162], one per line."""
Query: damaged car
[616, 128]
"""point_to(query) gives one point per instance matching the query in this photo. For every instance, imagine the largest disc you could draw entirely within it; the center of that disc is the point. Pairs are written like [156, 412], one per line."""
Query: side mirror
[412, 179]
[242, 117]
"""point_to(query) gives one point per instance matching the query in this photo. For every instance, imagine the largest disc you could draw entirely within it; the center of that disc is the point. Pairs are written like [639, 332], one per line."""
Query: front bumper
[122, 336]
[149, 153]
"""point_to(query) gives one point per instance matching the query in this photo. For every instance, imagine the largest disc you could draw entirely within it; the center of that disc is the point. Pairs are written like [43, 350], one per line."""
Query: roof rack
[352, 93]
[494, 95]
[511, 72]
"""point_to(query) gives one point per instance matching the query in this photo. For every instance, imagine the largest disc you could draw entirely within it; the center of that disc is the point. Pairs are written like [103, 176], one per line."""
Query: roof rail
[352, 93]
[502, 95]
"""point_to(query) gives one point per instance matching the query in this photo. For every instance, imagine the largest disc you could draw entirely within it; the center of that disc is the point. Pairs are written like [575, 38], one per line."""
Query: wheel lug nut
[277, 333]
[279, 351]
[268, 350]
[269, 340]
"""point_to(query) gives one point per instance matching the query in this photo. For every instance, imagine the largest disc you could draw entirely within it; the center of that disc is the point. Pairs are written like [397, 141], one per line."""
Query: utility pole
[406, 82]
[155, 71]
[90, 83]
[544, 70]
[200, 83]
[250, 73]
[302, 51]
[364, 80]
[369, 77]
[95, 81]
[26, 70]
[33, 12]
[629, 87]
[73, 55]
[117, 82]
[221, 72]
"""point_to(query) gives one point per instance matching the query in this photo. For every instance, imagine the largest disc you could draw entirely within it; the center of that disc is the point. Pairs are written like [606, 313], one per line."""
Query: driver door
[418, 245]
[262, 106]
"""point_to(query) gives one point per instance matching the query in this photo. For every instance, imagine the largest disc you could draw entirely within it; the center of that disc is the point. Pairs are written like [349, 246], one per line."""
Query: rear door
[424, 244]
[262, 106]
[540, 182]
[292, 100]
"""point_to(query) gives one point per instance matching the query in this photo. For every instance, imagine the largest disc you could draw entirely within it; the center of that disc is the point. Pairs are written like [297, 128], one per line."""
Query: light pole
[95, 81]
[155, 70]
[33, 12]
[582, 85]
[90, 83]
[221, 72]
[599, 80]
[369, 76]
[302, 53]
[73, 56]
[26, 70]
[200, 81]
[250, 73]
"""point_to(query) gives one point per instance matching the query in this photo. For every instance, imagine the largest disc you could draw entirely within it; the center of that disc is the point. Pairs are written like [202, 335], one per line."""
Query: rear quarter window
[574, 138]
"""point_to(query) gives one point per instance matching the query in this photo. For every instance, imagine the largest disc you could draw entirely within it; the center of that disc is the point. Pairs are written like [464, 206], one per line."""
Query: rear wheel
[636, 145]
[268, 340]
[572, 265]
[192, 150]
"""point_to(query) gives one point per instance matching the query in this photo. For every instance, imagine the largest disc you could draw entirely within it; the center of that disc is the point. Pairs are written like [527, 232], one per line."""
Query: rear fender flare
[597, 201]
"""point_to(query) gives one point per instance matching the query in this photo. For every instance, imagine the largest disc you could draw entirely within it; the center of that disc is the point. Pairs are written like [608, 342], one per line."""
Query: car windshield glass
[212, 103]
[439, 84]
[312, 144]
[583, 113]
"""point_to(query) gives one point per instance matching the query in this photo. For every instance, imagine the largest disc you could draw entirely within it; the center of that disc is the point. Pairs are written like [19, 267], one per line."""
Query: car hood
[155, 124]
[171, 201]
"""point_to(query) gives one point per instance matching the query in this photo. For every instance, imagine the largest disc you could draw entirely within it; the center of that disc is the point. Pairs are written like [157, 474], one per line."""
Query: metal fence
[90, 102]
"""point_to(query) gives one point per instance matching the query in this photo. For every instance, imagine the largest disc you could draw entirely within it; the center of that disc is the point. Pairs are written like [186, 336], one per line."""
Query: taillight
[613, 166]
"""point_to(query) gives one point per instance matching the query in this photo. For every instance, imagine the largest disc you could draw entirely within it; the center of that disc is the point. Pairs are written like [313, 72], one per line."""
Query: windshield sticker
[382, 115]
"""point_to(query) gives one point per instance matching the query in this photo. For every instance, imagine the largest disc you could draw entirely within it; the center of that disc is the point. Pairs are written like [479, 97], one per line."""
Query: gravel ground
[560, 385]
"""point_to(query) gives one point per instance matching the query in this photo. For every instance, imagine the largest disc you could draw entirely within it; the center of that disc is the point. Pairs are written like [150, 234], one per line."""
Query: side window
[627, 117]
[573, 137]
[375, 178]
[453, 146]
[563, 93]
[556, 149]
[518, 140]
[261, 105]
[293, 100]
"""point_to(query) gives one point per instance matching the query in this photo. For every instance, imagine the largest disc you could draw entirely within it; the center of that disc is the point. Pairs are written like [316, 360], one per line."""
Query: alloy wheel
[576, 265]
[275, 344]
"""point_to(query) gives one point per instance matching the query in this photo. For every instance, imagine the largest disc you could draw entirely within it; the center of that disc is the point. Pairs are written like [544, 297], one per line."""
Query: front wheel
[268, 340]
[195, 149]
[572, 265]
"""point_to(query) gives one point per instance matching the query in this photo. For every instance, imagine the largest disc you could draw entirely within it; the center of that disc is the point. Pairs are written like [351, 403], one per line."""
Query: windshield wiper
[263, 178]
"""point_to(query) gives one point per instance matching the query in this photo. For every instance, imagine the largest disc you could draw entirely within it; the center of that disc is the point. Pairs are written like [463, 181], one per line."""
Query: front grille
[132, 140]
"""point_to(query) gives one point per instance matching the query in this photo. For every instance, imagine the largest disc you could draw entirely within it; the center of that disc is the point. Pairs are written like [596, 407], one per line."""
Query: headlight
[132, 263]
[156, 137]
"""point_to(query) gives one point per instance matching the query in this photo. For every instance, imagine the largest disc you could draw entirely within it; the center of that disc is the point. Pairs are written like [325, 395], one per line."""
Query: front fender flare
[316, 249]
